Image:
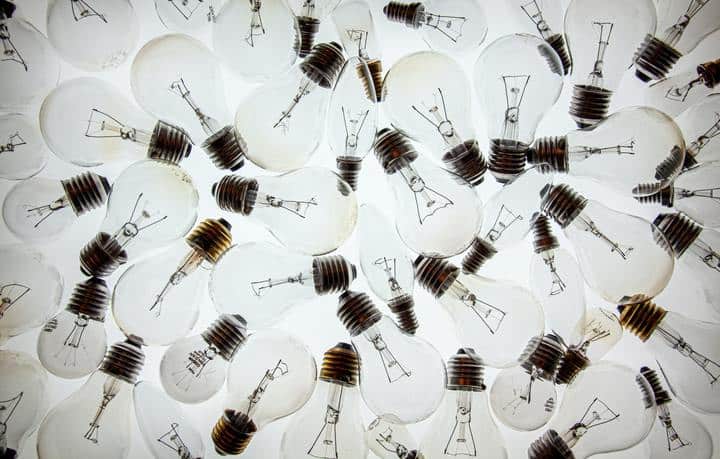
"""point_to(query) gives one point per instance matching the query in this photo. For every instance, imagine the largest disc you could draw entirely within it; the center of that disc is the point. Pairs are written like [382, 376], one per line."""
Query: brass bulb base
[465, 371]
[589, 105]
[102, 256]
[659, 393]
[562, 203]
[227, 334]
[236, 194]
[507, 159]
[645, 195]
[86, 191]
[467, 161]
[357, 312]
[549, 154]
[332, 274]
[677, 230]
[403, 308]
[211, 237]
[410, 14]
[349, 168]
[543, 355]
[571, 364]
[654, 58]
[550, 446]
[710, 73]
[226, 149]
[641, 319]
[169, 143]
[232, 433]
[543, 237]
[340, 365]
[670, 166]
[372, 82]
[90, 298]
[480, 251]
[393, 150]
[323, 64]
[557, 43]
[306, 29]
[124, 360]
[435, 275]
[7, 9]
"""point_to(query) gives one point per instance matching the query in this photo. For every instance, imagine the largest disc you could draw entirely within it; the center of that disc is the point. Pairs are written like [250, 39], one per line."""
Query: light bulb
[700, 124]
[272, 378]
[310, 210]
[402, 377]
[518, 78]
[616, 252]
[152, 203]
[159, 298]
[193, 369]
[23, 400]
[495, 318]
[29, 67]
[94, 422]
[30, 290]
[277, 280]
[601, 40]
[674, 94]
[607, 408]
[636, 151]
[677, 431]
[308, 16]
[427, 96]
[330, 425]
[426, 198]
[463, 425]
[89, 122]
[356, 28]
[556, 282]
[177, 78]
[167, 431]
[455, 26]
[543, 18]
[391, 441]
[73, 343]
[524, 397]
[40, 209]
[352, 119]
[255, 38]
[22, 150]
[681, 26]
[287, 119]
[386, 265]
[93, 35]
[187, 15]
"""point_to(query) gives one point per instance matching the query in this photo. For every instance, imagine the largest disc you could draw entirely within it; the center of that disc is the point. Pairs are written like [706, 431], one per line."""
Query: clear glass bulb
[93, 35]
[276, 281]
[30, 290]
[616, 252]
[309, 14]
[390, 441]
[600, 332]
[521, 400]
[608, 407]
[518, 78]
[700, 124]
[29, 67]
[676, 93]
[188, 16]
[166, 429]
[73, 343]
[310, 210]
[22, 150]
[254, 38]
[426, 198]
[40, 210]
[356, 28]
[601, 39]
[23, 400]
[287, 121]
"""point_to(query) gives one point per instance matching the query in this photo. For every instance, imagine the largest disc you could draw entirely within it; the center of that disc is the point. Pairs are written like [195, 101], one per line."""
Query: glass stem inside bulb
[272, 374]
[42, 213]
[674, 441]
[428, 201]
[389, 267]
[173, 440]
[582, 152]
[256, 28]
[557, 285]
[306, 87]
[712, 193]
[680, 93]
[514, 91]
[462, 438]
[533, 11]
[604, 31]
[73, 342]
[262, 287]
[490, 315]
[187, 266]
[111, 388]
[701, 142]
[673, 339]
[14, 140]
[354, 121]
[394, 369]
[103, 125]
[195, 366]
[325, 443]
[300, 206]
[209, 124]
[449, 26]
[141, 218]
[585, 223]
[706, 253]
[674, 33]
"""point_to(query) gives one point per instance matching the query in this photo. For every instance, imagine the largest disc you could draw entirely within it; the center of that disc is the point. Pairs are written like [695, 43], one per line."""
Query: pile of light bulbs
[150, 261]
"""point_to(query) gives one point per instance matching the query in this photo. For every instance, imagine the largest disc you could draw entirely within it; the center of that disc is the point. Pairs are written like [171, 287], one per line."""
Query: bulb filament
[110, 389]
[11, 294]
[81, 9]
[308, 8]
[174, 441]
[195, 367]
[710, 193]
[256, 29]
[188, 265]
[325, 444]
[73, 341]
[187, 8]
[7, 409]
[674, 442]
[533, 11]
[515, 86]
[102, 125]
[13, 141]
[604, 31]
[360, 37]
[130, 229]
[306, 86]
[582, 152]
[10, 53]
[278, 371]
[299, 208]
[490, 315]
[427, 200]
[503, 220]
[44, 212]
[393, 369]
[523, 395]
[596, 414]
[449, 26]
[595, 330]
[705, 138]
[389, 267]
[674, 33]
[462, 439]
[209, 124]
[558, 285]
[615, 247]
[435, 113]
[677, 342]
[386, 441]
[260, 288]
[353, 126]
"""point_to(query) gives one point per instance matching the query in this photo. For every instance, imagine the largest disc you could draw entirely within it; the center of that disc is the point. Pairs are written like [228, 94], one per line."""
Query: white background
[315, 322]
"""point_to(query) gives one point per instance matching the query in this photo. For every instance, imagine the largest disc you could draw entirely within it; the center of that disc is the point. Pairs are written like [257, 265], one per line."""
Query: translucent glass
[29, 67]
[700, 124]
[318, 9]
[167, 431]
[608, 407]
[22, 150]
[426, 198]
[273, 377]
[427, 96]
[402, 377]
[538, 17]
[328, 426]
[177, 375]
[30, 290]
[522, 401]
[683, 24]
[600, 332]
[617, 254]
[383, 257]
[602, 38]
[694, 193]
[463, 426]
[688, 353]
[495, 318]
[92, 423]
[626, 150]
[176, 78]
[187, 15]
[159, 297]
[679, 433]
[93, 35]
[255, 38]
[558, 284]
[23, 399]
[389, 441]
[88, 122]
[71, 345]
[454, 26]
[518, 78]
[355, 27]
[676, 93]
[702, 262]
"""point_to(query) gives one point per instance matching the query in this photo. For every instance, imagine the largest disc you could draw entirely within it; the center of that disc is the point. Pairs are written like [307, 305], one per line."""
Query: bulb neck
[480, 251]
[677, 230]
[306, 29]
[236, 194]
[332, 274]
[543, 237]
[589, 105]
[710, 73]
[372, 82]
[403, 307]
[507, 159]
[226, 149]
[124, 360]
[435, 274]
[465, 371]
[659, 393]
[410, 14]
[641, 319]
[562, 203]
[211, 237]
[232, 433]
[169, 143]
[227, 334]
[323, 64]
[340, 365]
[349, 168]
[573, 361]
[645, 195]
[550, 446]
[393, 150]
[550, 154]
[467, 161]
[102, 256]
[557, 43]
[90, 298]
[654, 58]
[86, 191]
[542, 355]
[357, 312]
